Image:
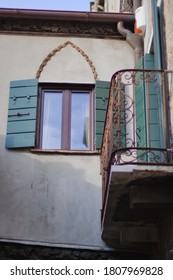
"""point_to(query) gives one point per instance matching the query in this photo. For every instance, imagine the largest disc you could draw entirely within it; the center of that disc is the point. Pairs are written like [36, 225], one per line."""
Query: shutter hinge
[19, 114]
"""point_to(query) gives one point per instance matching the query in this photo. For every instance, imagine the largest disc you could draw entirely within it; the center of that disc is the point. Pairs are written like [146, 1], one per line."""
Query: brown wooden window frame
[67, 90]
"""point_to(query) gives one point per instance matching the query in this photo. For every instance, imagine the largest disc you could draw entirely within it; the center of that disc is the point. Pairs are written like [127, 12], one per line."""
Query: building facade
[53, 64]
[86, 149]
[137, 143]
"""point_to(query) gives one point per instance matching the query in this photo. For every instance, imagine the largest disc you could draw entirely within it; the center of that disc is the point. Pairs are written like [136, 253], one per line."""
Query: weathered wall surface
[167, 220]
[168, 11]
[168, 22]
[53, 199]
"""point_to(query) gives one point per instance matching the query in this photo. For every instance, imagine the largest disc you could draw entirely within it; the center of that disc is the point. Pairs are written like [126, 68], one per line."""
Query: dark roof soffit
[61, 23]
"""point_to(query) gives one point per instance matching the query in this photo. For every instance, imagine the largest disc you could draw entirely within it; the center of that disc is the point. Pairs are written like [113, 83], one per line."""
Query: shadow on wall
[50, 198]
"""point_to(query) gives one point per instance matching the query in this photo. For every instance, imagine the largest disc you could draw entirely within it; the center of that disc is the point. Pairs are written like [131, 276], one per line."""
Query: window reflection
[80, 121]
[52, 120]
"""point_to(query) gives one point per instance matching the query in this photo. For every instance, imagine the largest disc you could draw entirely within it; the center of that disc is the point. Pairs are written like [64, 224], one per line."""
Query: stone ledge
[13, 251]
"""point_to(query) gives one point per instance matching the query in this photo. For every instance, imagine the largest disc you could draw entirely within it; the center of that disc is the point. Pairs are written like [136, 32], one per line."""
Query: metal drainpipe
[134, 40]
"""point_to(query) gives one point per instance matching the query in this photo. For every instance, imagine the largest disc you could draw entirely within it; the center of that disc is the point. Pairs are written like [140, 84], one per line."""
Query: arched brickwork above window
[58, 49]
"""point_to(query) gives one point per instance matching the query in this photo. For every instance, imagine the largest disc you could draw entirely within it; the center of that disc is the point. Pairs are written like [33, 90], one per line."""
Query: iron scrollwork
[137, 98]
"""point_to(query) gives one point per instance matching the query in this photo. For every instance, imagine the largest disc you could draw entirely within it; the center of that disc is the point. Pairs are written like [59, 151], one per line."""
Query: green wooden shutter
[147, 121]
[102, 94]
[153, 122]
[21, 126]
[140, 103]
[156, 11]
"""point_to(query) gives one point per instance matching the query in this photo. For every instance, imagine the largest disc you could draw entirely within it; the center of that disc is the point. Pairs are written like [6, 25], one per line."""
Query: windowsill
[65, 152]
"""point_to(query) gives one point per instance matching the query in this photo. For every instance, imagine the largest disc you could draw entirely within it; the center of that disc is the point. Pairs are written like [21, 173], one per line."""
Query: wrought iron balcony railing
[137, 121]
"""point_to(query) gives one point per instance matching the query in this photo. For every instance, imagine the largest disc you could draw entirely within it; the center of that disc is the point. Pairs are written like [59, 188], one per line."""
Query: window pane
[52, 120]
[80, 121]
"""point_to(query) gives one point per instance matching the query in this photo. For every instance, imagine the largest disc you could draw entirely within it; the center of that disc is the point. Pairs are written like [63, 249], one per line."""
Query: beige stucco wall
[168, 21]
[112, 6]
[168, 12]
[53, 199]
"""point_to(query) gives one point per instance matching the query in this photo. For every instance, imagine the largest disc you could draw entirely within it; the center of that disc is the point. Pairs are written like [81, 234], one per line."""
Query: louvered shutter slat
[21, 126]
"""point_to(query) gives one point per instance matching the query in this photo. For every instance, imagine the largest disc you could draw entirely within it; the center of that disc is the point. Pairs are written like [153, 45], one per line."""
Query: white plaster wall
[168, 21]
[52, 199]
[112, 6]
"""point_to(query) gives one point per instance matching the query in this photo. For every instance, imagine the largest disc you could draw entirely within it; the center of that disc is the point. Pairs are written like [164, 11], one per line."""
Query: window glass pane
[80, 121]
[52, 120]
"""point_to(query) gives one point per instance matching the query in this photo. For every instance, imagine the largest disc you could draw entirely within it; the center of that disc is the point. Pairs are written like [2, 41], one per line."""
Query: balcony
[136, 159]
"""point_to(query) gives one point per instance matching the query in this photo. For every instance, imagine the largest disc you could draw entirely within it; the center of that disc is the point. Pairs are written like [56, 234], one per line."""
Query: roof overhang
[84, 24]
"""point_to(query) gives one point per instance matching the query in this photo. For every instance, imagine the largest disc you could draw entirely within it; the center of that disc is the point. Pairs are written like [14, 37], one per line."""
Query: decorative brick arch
[59, 48]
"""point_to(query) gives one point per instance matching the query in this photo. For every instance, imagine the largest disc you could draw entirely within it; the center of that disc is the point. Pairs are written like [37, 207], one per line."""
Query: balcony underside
[135, 200]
